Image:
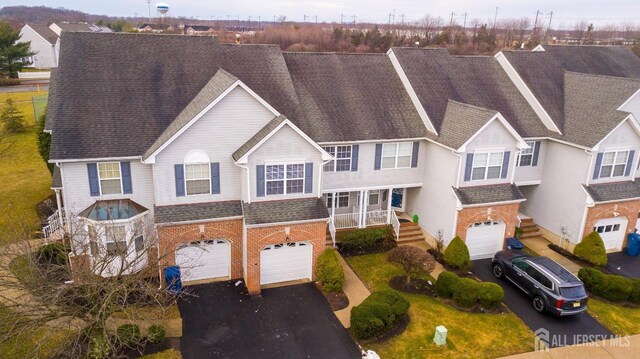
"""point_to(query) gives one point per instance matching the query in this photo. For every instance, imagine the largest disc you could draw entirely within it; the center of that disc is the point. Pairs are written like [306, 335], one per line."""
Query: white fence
[395, 222]
[34, 75]
[348, 220]
[54, 224]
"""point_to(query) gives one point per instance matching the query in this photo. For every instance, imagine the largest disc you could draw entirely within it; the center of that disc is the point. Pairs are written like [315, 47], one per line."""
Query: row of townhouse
[243, 158]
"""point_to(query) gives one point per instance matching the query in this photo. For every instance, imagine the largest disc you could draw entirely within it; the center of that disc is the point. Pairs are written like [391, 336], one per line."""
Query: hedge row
[610, 286]
[365, 241]
[329, 271]
[378, 313]
[466, 292]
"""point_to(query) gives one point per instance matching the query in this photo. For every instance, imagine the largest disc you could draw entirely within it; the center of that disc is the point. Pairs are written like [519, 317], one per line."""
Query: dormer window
[614, 164]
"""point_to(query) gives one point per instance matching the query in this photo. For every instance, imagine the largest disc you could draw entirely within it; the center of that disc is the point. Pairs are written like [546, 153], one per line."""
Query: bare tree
[430, 26]
[579, 30]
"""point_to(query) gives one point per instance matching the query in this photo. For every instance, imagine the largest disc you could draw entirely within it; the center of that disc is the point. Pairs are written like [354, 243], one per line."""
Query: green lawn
[469, 335]
[24, 175]
[619, 320]
[167, 354]
[46, 339]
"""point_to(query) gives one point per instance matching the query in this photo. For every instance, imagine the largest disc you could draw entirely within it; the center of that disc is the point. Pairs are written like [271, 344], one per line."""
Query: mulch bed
[579, 261]
[168, 343]
[337, 300]
[396, 330]
[415, 286]
[380, 248]
[462, 273]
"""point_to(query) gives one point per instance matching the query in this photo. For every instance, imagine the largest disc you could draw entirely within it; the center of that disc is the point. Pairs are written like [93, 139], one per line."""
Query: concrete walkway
[540, 246]
[618, 348]
[355, 291]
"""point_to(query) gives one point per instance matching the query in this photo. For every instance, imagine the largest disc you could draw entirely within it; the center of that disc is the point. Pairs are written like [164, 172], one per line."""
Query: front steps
[409, 233]
[529, 229]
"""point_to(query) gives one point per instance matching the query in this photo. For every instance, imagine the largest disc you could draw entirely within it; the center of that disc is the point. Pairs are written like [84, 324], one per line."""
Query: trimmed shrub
[457, 254]
[609, 286]
[329, 271]
[54, 253]
[128, 335]
[490, 295]
[156, 334]
[634, 297]
[591, 277]
[362, 241]
[592, 250]
[378, 313]
[466, 292]
[413, 260]
[446, 284]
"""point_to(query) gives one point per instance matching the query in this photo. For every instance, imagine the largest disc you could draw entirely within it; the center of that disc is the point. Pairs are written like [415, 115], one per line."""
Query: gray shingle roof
[77, 27]
[348, 97]
[116, 93]
[591, 103]
[56, 179]
[289, 210]
[461, 121]
[488, 194]
[45, 32]
[543, 71]
[614, 191]
[437, 77]
[218, 84]
[197, 211]
[259, 136]
[52, 112]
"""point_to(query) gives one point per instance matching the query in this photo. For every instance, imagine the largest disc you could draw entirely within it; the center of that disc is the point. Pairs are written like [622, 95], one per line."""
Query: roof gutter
[492, 203]
[258, 225]
[195, 221]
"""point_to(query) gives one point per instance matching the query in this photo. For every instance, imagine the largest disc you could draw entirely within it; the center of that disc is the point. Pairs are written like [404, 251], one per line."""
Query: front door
[397, 198]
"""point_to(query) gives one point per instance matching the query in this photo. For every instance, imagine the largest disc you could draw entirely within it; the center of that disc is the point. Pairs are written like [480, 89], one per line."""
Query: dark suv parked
[551, 287]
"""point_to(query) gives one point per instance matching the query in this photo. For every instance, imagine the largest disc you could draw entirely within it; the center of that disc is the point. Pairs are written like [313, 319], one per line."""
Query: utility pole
[149, 6]
[495, 18]
[451, 21]
[249, 23]
[259, 23]
[316, 19]
[341, 19]
[354, 19]
[304, 18]
[548, 26]
[402, 21]
[464, 26]
[535, 24]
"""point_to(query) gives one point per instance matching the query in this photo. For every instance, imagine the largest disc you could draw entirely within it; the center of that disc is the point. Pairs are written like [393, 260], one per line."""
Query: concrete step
[526, 220]
[408, 224]
[406, 241]
[530, 229]
[411, 237]
[531, 234]
[410, 230]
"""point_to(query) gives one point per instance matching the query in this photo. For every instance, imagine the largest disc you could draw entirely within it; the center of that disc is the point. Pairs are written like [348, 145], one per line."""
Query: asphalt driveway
[220, 320]
[622, 264]
[563, 331]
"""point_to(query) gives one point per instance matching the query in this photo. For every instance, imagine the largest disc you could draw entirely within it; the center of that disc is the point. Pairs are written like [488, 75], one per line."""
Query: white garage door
[612, 231]
[286, 261]
[204, 260]
[484, 239]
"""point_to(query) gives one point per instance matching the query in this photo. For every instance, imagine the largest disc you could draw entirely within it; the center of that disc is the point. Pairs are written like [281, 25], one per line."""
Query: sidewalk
[355, 291]
[540, 246]
[619, 348]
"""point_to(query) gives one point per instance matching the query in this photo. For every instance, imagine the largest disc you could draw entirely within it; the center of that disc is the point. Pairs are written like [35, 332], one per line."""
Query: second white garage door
[484, 239]
[612, 231]
[204, 260]
[285, 262]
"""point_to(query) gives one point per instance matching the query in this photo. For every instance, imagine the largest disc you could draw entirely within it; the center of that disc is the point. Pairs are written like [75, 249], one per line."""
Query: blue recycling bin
[514, 243]
[633, 245]
[172, 278]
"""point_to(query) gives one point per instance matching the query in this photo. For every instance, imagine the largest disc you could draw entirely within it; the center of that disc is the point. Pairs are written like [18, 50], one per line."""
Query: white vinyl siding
[396, 155]
[46, 53]
[486, 165]
[217, 134]
[110, 178]
[197, 178]
[342, 158]
[614, 164]
[532, 174]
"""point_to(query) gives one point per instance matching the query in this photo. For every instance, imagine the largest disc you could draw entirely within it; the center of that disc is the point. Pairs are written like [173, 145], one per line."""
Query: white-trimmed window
[374, 197]
[486, 165]
[284, 179]
[110, 178]
[396, 155]
[116, 240]
[197, 173]
[525, 158]
[342, 156]
[614, 164]
[342, 198]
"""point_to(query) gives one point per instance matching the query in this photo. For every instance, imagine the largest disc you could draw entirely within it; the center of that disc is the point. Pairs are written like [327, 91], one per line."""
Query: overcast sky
[565, 12]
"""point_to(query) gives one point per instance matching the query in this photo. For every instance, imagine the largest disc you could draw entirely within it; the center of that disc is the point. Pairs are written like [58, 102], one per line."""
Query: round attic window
[196, 156]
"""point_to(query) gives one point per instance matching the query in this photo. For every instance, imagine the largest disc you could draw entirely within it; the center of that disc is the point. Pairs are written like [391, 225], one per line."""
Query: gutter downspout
[459, 167]
[321, 169]
[590, 166]
[515, 166]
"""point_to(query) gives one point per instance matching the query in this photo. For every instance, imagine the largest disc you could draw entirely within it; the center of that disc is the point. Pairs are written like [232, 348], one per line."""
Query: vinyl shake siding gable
[623, 138]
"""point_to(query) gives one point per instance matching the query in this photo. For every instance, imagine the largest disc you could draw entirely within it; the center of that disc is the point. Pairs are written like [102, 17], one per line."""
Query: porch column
[389, 205]
[365, 204]
[360, 210]
[59, 204]
[333, 207]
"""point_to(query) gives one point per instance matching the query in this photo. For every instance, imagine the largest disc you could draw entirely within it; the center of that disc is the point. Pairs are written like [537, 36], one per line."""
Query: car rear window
[572, 292]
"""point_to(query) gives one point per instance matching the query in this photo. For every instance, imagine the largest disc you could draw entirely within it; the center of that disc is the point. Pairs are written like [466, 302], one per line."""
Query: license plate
[576, 304]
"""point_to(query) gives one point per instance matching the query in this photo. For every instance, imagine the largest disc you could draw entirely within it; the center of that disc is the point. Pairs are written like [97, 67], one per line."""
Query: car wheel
[539, 304]
[498, 270]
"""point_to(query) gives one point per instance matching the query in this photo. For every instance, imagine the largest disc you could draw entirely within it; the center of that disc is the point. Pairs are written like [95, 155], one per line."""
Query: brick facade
[170, 237]
[507, 213]
[628, 209]
[260, 237]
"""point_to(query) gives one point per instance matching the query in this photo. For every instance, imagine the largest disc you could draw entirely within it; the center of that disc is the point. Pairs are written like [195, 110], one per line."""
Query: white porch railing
[395, 223]
[347, 220]
[376, 218]
[54, 224]
[332, 230]
[34, 75]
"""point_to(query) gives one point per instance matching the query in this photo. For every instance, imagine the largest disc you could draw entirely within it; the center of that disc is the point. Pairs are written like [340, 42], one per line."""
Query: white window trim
[334, 159]
[338, 195]
[184, 166]
[486, 167]
[532, 148]
[614, 164]
[397, 144]
[285, 179]
[107, 179]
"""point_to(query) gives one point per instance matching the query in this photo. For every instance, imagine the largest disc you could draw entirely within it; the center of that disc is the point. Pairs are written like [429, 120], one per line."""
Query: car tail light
[559, 303]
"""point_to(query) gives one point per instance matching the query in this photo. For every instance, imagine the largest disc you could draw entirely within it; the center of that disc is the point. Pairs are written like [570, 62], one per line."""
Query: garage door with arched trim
[207, 259]
[484, 239]
[286, 262]
[612, 231]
